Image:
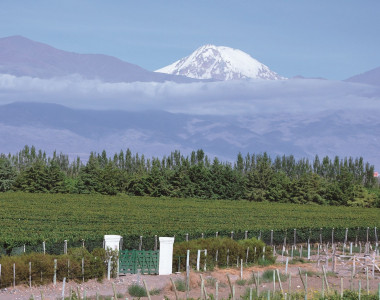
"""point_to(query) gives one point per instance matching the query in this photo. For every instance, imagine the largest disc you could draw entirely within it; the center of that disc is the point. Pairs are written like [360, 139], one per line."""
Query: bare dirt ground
[163, 283]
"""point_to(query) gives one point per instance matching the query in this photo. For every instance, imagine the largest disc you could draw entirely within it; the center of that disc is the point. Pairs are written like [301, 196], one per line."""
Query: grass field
[31, 218]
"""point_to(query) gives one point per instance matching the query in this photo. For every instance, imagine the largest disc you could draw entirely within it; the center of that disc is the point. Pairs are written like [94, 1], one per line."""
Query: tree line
[254, 177]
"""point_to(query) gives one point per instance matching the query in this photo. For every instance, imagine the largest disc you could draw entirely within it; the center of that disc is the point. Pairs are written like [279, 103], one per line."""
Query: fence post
[271, 237]
[30, 274]
[109, 269]
[188, 270]
[346, 236]
[55, 273]
[140, 244]
[367, 234]
[198, 259]
[155, 243]
[65, 247]
[14, 275]
[63, 288]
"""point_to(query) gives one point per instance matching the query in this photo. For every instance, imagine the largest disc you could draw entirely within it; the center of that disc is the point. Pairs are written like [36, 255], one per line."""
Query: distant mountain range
[157, 133]
[20, 56]
[371, 77]
[226, 108]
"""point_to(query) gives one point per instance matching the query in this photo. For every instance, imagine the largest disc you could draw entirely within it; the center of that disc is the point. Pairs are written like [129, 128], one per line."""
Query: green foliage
[42, 266]
[225, 247]
[136, 290]
[155, 291]
[33, 218]
[253, 177]
[7, 175]
[267, 276]
[180, 285]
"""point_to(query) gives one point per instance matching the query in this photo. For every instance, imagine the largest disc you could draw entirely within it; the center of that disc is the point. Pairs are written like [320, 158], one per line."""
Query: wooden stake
[14, 275]
[216, 290]
[146, 289]
[30, 274]
[341, 287]
[202, 287]
[325, 277]
[303, 282]
[175, 288]
[114, 291]
[55, 273]
[241, 269]
[279, 281]
[63, 288]
[229, 283]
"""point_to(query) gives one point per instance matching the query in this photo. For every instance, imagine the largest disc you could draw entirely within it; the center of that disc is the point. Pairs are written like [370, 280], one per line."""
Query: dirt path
[162, 283]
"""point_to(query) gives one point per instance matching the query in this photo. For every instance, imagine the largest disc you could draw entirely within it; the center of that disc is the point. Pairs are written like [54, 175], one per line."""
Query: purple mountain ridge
[20, 56]
[370, 77]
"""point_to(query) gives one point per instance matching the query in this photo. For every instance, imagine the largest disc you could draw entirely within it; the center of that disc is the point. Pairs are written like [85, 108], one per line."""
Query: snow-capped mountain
[220, 63]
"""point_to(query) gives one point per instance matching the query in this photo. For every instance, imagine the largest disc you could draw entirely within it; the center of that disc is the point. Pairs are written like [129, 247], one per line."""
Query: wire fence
[270, 237]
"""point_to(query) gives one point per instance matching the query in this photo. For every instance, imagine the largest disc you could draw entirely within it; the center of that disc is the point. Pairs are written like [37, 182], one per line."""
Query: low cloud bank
[214, 98]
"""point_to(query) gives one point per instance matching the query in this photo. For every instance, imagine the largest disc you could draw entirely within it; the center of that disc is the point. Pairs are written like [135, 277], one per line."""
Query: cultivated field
[32, 218]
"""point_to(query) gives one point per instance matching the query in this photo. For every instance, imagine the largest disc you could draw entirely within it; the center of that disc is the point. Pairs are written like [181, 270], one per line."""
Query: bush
[42, 266]
[267, 276]
[136, 290]
[235, 250]
[180, 285]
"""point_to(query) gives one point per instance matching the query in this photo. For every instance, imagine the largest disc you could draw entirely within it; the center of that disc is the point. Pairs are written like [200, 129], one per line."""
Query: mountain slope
[370, 77]
[20, 56]
[220, 63]
[157, 133]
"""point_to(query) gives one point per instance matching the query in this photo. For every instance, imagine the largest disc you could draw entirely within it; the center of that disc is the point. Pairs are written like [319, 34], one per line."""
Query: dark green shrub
[180, 285]
[235, 250]
[42, 267]
[136, 290]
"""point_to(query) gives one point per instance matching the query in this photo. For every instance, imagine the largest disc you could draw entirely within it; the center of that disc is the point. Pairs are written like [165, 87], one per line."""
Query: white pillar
[166, 256]
[112, 241]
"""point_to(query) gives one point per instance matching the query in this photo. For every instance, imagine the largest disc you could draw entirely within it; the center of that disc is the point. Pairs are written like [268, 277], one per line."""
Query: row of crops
[31, 219]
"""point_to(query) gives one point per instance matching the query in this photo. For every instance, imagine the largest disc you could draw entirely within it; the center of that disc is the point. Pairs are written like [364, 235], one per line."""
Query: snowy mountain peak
[220, 63]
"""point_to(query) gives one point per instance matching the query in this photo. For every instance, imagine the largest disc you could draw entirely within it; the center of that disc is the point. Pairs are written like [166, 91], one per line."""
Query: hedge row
[68, 265]
[235, 250]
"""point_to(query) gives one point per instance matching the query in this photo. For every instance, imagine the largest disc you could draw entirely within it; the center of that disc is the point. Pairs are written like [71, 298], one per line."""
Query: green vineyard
[30, 219]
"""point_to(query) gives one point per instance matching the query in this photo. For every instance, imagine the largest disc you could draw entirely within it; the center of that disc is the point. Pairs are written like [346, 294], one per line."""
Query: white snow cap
[220, 63]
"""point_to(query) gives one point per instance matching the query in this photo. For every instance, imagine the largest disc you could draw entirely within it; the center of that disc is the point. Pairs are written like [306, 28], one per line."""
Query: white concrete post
[112, 241]
[166, 255]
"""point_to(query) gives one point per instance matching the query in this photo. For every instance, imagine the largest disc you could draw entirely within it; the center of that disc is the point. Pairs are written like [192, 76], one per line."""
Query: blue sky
[315, 38]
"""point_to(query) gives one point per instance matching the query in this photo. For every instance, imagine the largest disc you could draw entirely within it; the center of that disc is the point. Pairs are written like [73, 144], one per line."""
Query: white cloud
[220, 98]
